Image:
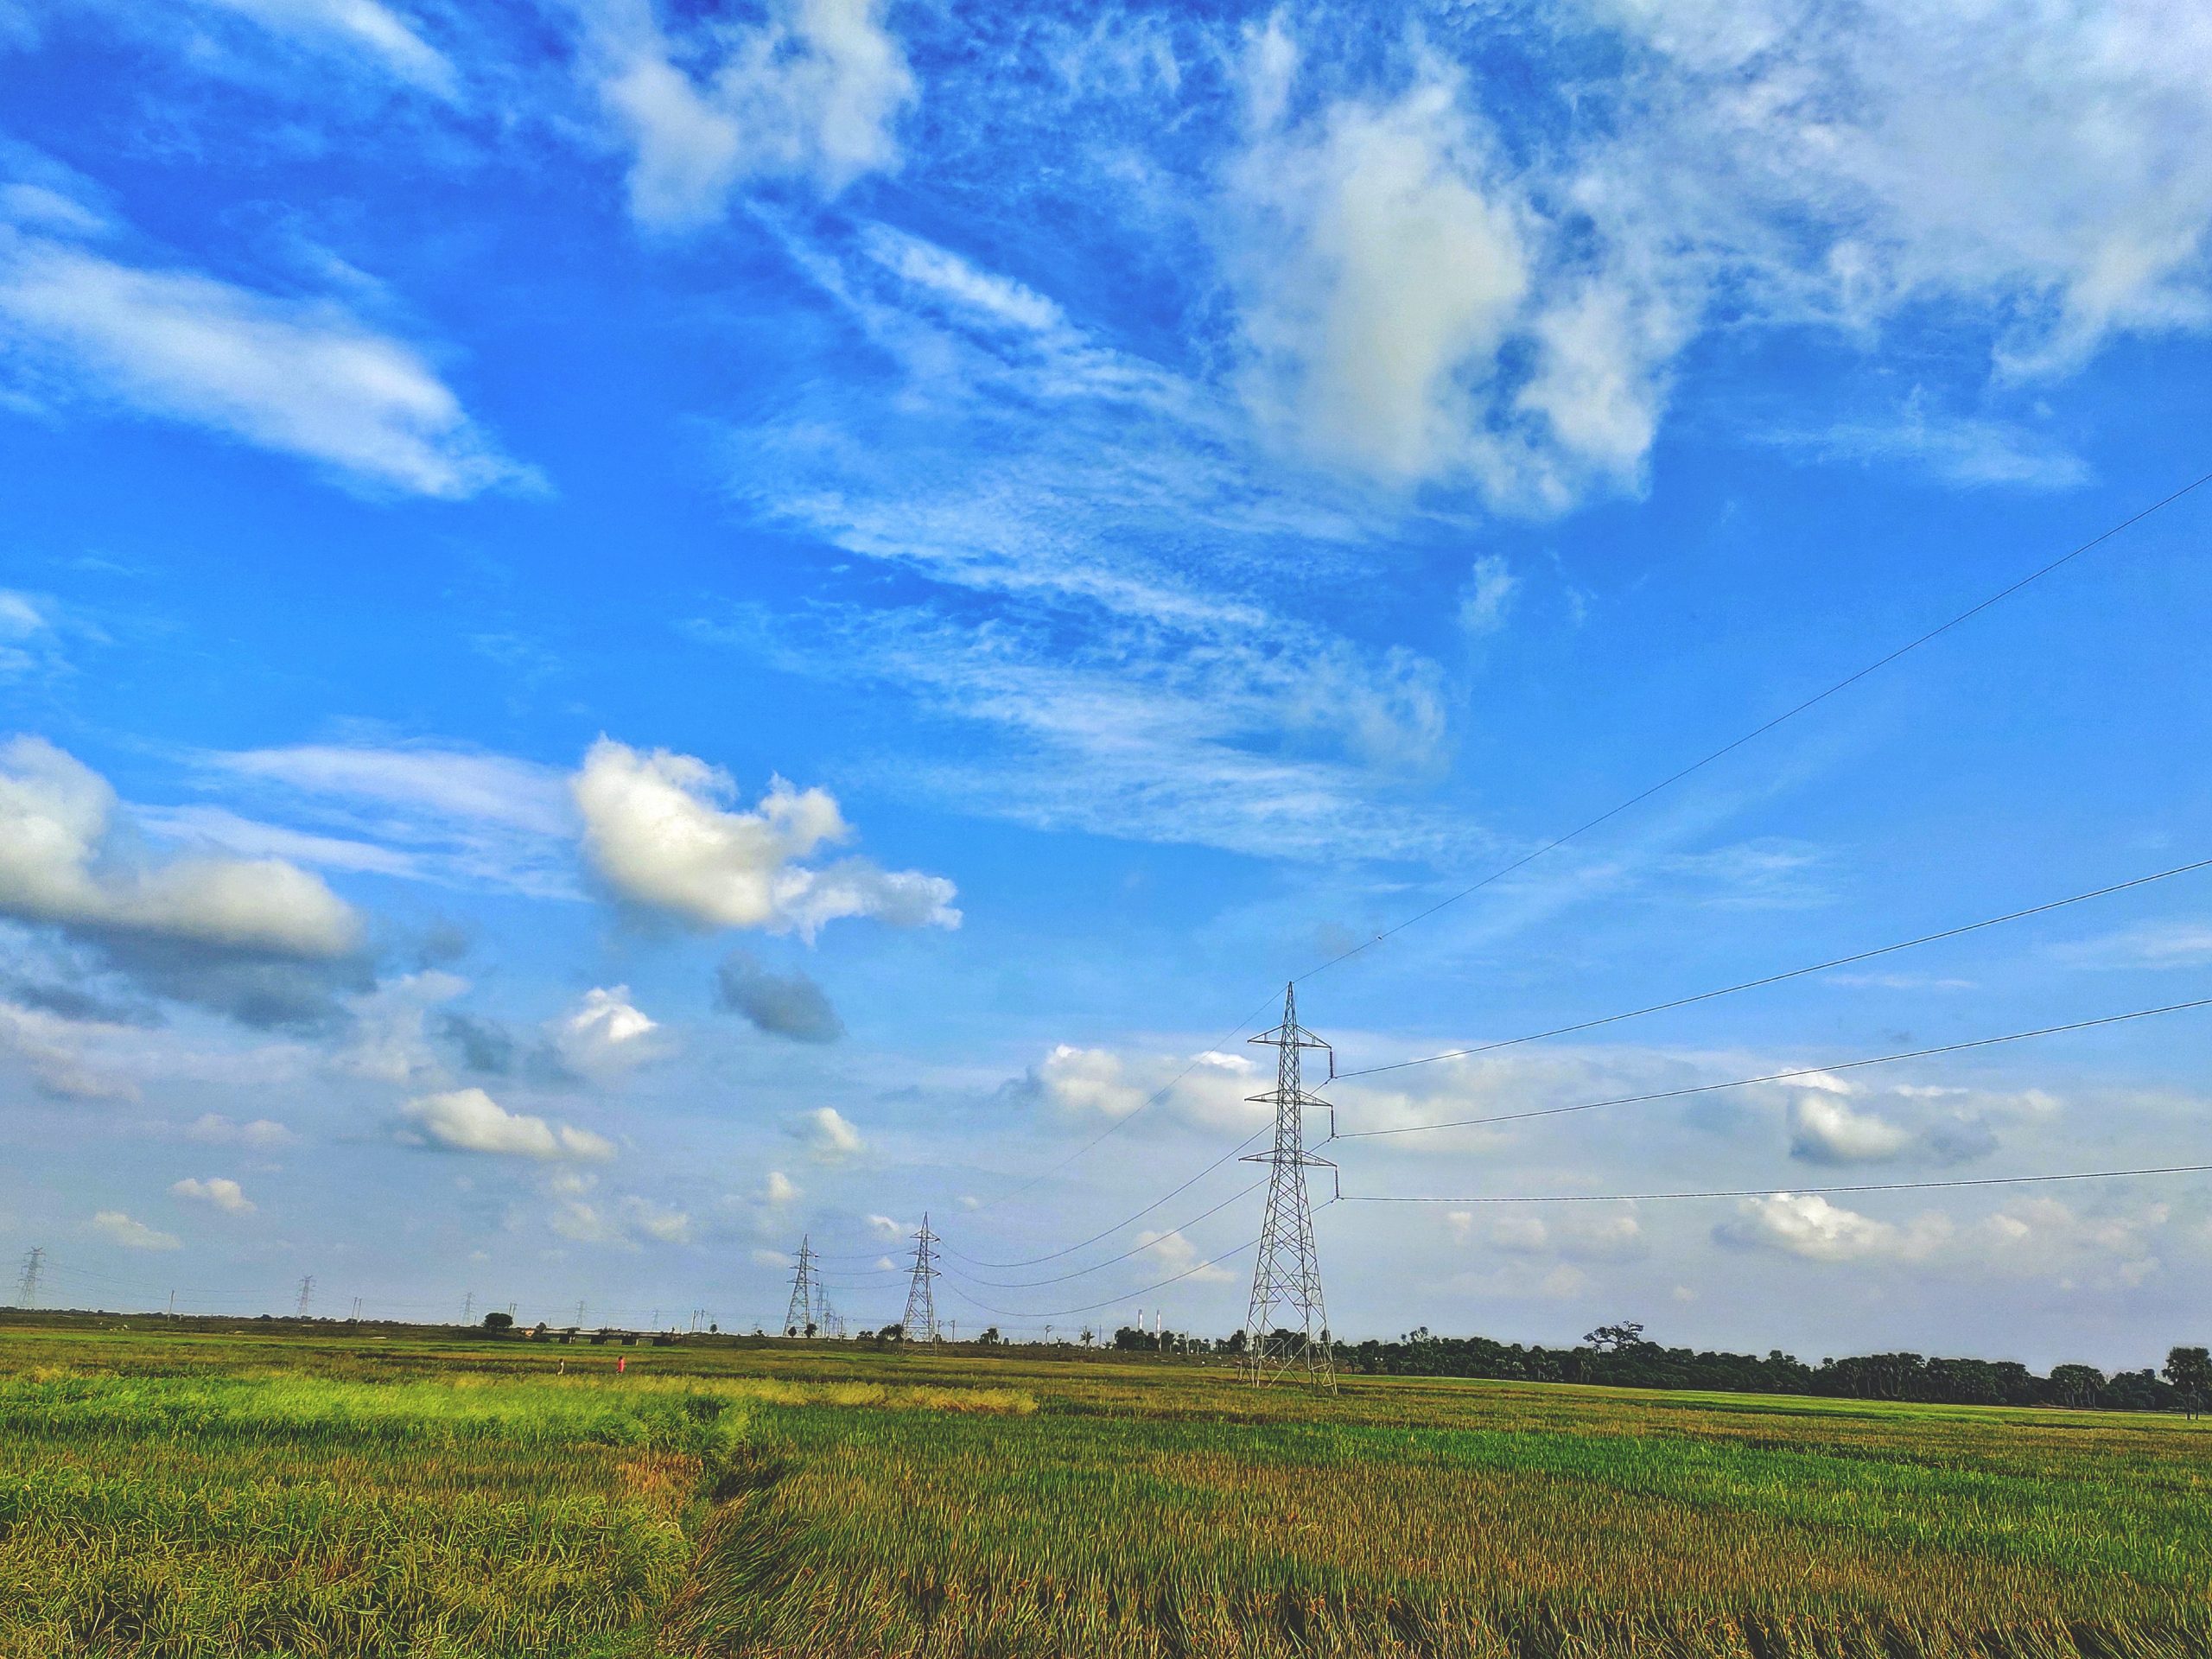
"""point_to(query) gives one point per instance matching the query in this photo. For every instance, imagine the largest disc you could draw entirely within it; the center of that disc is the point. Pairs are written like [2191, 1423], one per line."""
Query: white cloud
[1807, 1224]
[1208, 1089]
[53, 1050]
[888, 1227]
[655, 830]
[118, 1228]
[1824, 1129]
[1487, 596]
[1170, 1253]
[358, 26]
[810, 93]
[1786, 148]
[829, 1136]
[217, 1130]
[1576, 1237]
[59, 864]
[389, 1041]
[303, 378]
[217, 1190]
[468, 1120]
[445, 815]
[605, 1035]
[780, 1189]
[1392, 264]
[626, 1221]
[2179, 942]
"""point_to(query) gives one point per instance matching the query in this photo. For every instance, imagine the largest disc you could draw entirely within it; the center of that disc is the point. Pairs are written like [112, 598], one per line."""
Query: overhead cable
[1788, 1192]
[1138, 1249]
[1789, 974]
[1761, 730]
[1778, 1076]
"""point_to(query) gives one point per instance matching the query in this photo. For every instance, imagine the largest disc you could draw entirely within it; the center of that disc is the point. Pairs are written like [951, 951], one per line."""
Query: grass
[169, 1494]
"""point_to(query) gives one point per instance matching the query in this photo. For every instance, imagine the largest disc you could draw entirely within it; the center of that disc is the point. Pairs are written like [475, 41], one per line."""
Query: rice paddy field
[166, 1491]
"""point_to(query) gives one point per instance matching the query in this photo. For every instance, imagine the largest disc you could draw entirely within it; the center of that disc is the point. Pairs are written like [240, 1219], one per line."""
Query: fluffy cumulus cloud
[118, 1228]
[1834, 1122]
[468, 1120]
[1209, 1089]
[829, 1136]
[783, 1005]
[1411, 308]
[810, 93]
[605, 1035]
[58, 866]
[1808, 1225]
[219, 1190]
[658, 833]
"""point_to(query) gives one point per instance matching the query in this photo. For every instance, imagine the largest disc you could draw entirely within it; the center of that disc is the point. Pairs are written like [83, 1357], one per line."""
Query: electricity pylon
[27, 1286]
[307, 1296]
[920, 1324]
[802, 1317]
[1287, 1329]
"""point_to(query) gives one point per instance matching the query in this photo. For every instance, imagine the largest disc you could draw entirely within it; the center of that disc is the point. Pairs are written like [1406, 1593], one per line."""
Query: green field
[164, 1492]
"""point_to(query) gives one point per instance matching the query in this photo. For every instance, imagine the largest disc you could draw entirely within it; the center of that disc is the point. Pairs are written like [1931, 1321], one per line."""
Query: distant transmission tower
[1287, 1329]
[469, 1308]
[920, 1324]
[801, 1318]
[307, 1295]
[27, 1286]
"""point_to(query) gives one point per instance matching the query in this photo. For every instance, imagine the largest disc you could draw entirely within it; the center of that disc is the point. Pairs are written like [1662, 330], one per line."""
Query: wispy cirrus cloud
[298, 375]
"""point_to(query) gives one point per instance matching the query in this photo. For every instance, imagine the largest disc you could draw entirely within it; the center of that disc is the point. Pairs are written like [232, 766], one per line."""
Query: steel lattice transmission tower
[1287, 1329]
[27, 1286]
[920, 1324]
[803, 1317]
[307, 1296]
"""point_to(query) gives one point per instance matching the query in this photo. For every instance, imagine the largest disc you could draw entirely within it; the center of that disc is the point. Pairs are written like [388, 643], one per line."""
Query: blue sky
[634, 632]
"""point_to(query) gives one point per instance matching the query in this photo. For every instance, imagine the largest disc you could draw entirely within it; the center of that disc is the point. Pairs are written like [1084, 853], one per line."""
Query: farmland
[166, 1492]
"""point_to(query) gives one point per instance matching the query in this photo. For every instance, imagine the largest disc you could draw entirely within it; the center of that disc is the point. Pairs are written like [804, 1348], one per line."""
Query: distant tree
[2076, 1385]
[891, 1333]
[1234, 1342]
[1612, 1338]
[990, 1337]
[497, 1320]
[1090, 1336]
[2189, 1369]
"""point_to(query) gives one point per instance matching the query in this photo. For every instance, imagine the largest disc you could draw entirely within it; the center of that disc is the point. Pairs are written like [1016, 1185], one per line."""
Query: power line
[1640, 796]
[1089, 1307]
[1790, 1191]
[1055, 1255]
[1778, 1077]
[1793, 972]
[1759, 731]
[1139, 1250]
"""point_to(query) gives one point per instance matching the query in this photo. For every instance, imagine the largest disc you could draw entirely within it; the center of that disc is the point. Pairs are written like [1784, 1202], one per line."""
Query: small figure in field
[561, 1369]
[621, 1364]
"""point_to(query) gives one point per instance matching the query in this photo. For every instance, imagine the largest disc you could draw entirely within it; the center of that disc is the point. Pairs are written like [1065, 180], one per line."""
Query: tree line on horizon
[1619, 1355]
